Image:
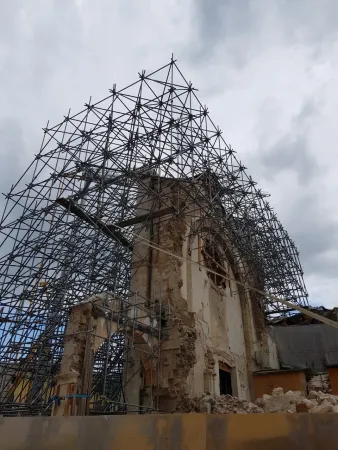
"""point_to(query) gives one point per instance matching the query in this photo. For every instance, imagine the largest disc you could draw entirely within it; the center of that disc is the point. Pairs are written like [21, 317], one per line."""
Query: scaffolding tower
[69, 225]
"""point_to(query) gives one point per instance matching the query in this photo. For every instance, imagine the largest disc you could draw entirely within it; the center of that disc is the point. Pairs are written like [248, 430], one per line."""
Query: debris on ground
[218, 404]
[278, 402]
[296, 401]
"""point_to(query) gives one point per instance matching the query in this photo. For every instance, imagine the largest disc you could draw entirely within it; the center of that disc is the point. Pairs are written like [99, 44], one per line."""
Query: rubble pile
[319, 382]
[218, 404]
[278, 402]
[295, 401]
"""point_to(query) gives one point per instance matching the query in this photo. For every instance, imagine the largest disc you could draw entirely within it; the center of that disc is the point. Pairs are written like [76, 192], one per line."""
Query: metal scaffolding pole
[72, 220]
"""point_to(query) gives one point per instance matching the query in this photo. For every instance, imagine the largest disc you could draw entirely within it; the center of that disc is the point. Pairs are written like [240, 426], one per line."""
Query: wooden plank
[108, 230]
[143, 217]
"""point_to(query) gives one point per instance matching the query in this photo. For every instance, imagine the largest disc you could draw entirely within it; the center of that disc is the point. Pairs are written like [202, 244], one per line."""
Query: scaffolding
[30, 385]
[71, 222]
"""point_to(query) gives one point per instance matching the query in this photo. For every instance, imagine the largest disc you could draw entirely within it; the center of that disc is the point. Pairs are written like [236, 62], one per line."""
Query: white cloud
[266, 69]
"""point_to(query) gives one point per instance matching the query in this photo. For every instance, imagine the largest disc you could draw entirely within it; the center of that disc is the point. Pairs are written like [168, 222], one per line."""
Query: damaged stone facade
[212, 320]
[90, 323]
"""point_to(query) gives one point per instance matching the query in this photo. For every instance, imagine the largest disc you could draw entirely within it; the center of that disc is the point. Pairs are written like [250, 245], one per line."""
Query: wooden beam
[107, 229]
[143, 217]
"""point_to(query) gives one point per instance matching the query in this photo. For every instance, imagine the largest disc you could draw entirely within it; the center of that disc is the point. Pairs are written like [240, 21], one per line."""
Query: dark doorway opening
[225, 382]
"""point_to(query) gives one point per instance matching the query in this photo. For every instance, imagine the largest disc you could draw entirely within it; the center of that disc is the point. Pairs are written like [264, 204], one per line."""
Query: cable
[271, 297]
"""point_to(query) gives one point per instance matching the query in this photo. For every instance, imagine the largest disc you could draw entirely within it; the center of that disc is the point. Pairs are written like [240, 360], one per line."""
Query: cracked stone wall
[227, 332]
[209, 325]
[220, 334]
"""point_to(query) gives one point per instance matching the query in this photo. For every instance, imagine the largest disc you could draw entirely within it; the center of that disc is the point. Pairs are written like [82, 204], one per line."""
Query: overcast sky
[267, 69]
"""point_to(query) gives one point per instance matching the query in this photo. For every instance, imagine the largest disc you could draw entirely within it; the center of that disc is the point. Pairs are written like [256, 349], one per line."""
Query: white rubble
[324, 407]
[278, 402]
[296, 401]
[218, 404]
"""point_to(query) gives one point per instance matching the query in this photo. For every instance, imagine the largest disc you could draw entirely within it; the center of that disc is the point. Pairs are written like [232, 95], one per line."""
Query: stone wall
[211, 322]
[220, 333]
[319, 382]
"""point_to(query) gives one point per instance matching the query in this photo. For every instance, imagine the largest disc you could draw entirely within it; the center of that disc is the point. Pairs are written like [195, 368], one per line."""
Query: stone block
[327, 397]
[295, 394]
[294, 398]
[305, 405]
[259, 402]
[310, 403]
[279, 403]
[324, 407]
[278, 391]
[313, 395]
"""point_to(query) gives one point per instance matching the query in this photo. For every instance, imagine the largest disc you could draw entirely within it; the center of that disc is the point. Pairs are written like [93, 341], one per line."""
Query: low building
[306, 344]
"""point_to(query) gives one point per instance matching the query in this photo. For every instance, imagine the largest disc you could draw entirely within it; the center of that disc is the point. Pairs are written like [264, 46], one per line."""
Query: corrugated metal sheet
[300, 346]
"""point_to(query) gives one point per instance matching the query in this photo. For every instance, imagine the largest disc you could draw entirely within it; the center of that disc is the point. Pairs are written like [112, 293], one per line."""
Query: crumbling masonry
[215, 323]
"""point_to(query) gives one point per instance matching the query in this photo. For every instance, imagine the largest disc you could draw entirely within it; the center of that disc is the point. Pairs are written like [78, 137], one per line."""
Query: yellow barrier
[172, 432]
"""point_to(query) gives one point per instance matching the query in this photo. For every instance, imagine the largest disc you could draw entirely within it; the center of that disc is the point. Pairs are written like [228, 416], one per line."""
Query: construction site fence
[172, 432]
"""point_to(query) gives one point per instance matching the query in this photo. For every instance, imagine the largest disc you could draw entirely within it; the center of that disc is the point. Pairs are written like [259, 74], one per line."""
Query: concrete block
[266, 397]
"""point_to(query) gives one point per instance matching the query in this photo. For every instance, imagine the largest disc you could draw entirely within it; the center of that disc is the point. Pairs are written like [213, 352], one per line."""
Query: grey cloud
[315, 232]
[245, 27]
[11, 148]
[46, 33]
[59, 34]
[9, 17]
[308, 20]
[56, 52]
[12, 166]
[307, 218]
[292, 151]
[219, 20]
